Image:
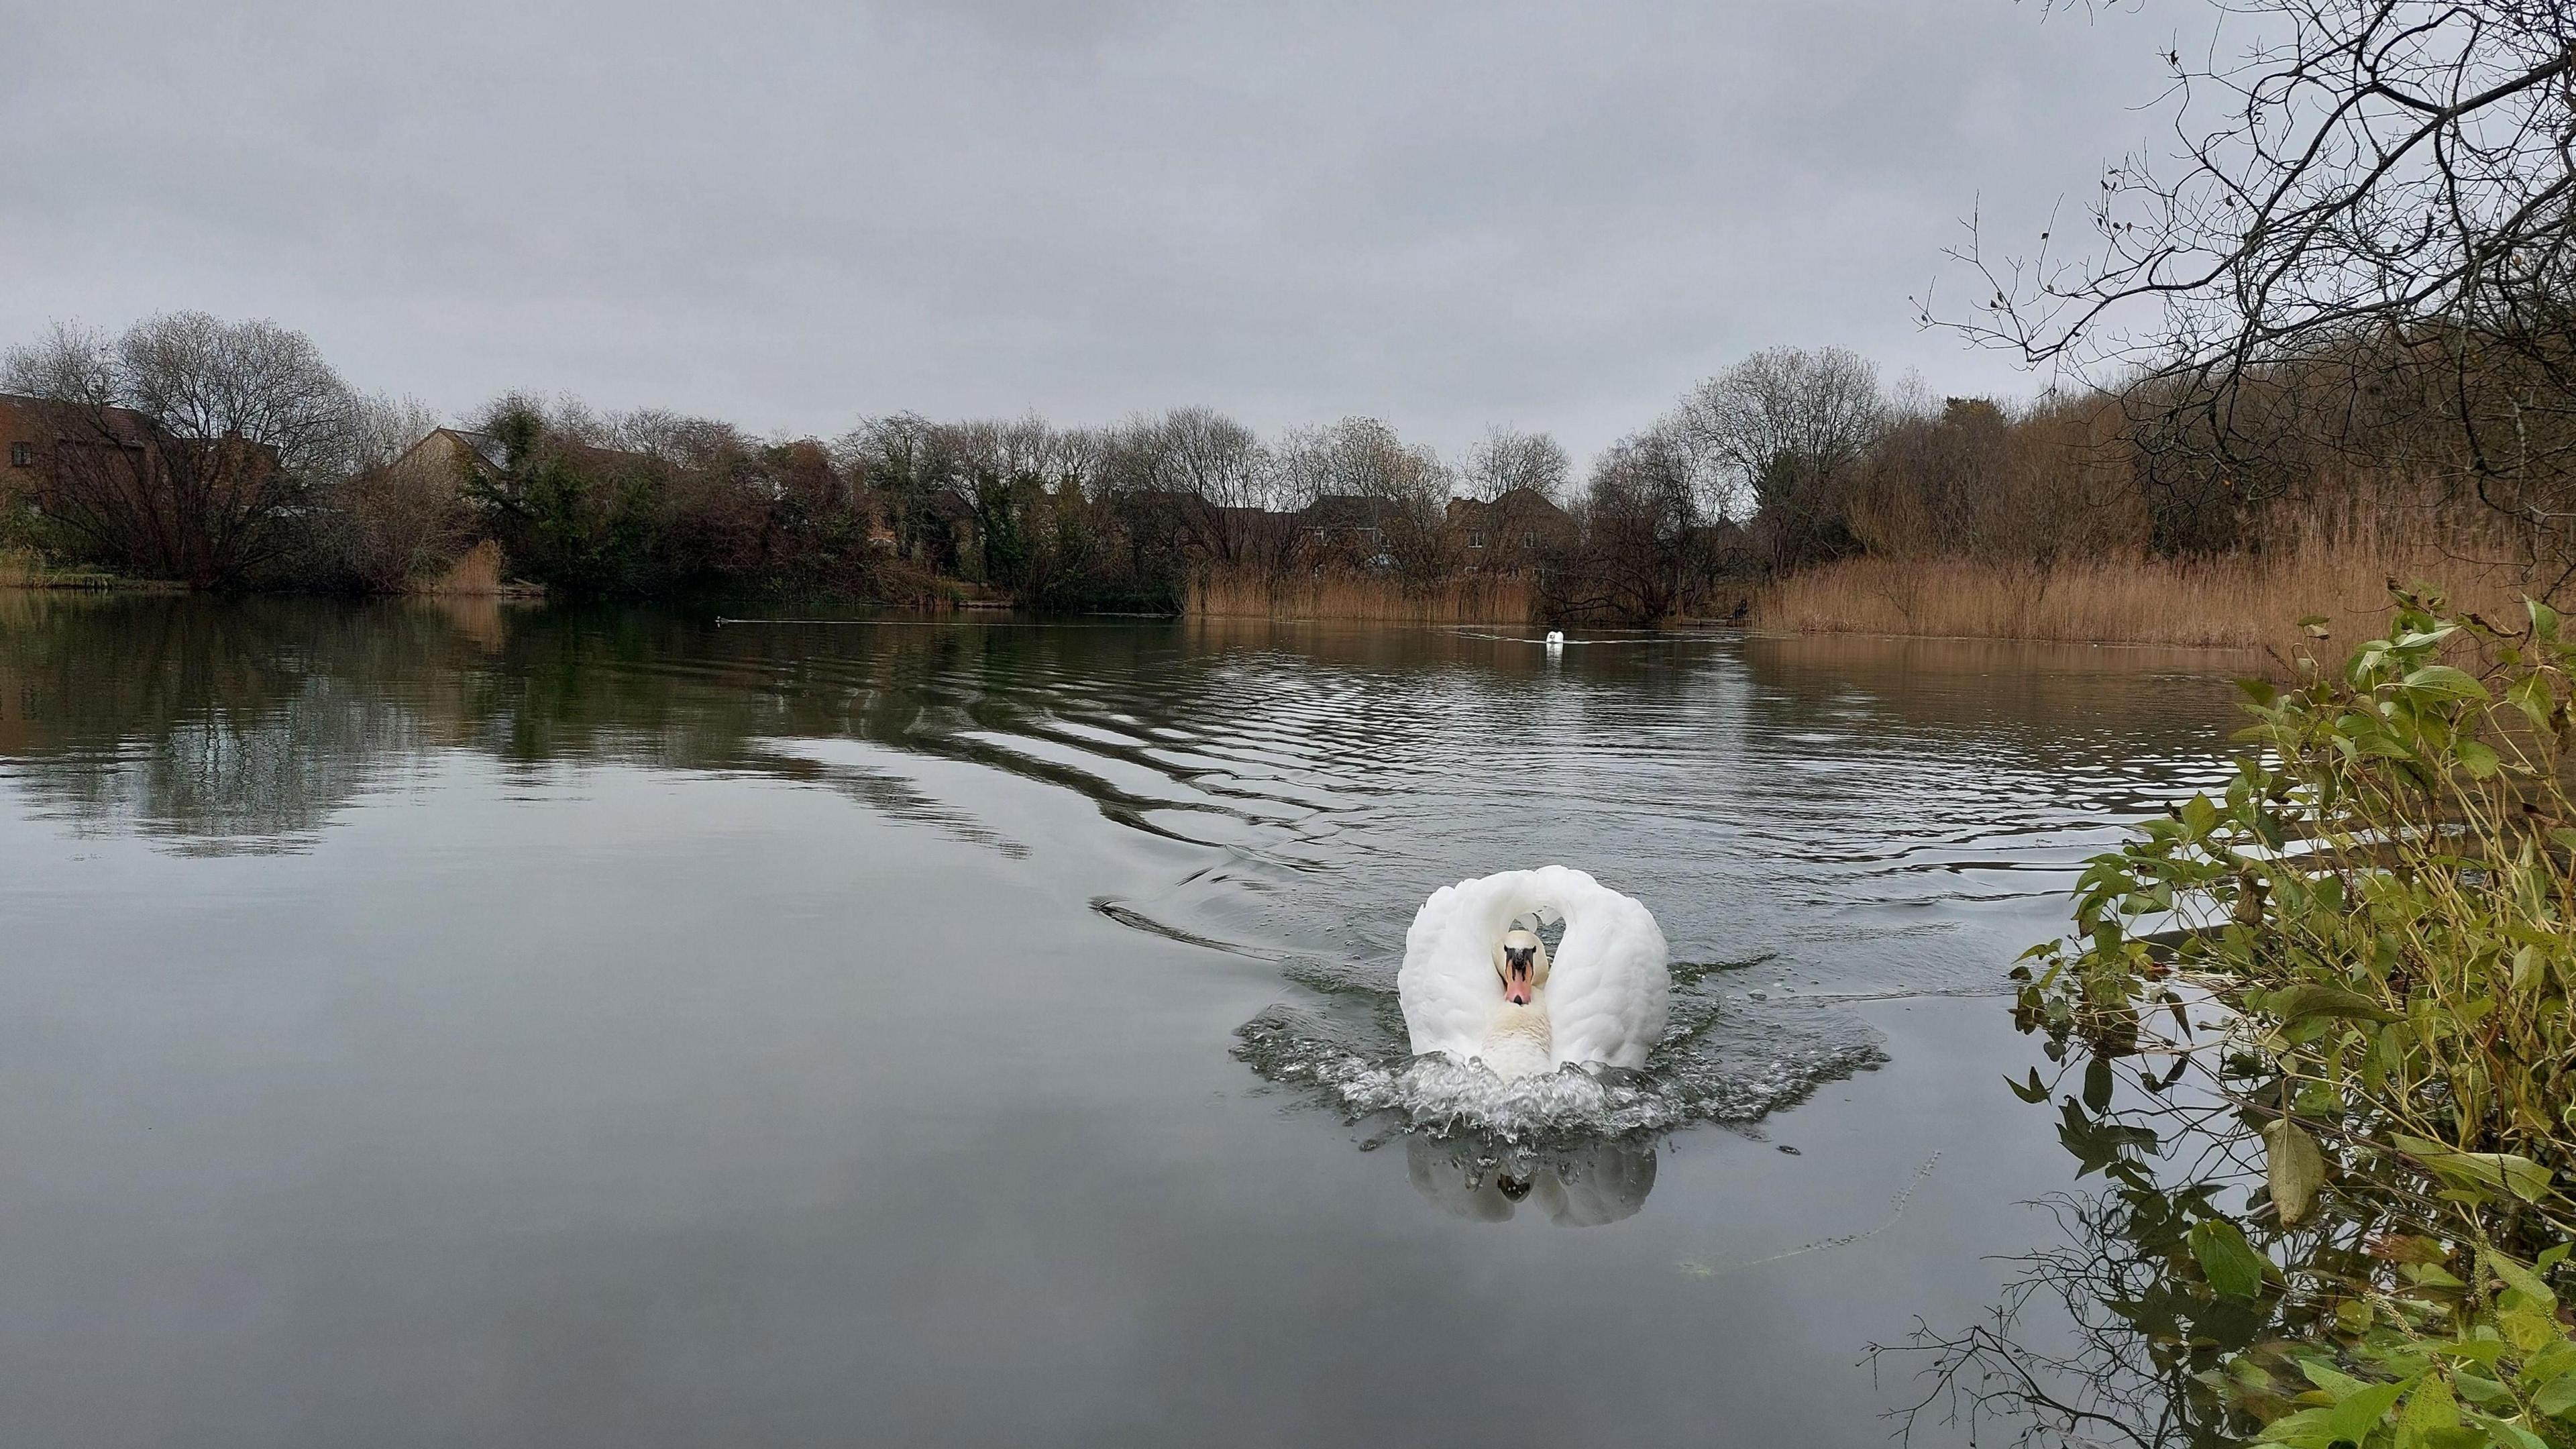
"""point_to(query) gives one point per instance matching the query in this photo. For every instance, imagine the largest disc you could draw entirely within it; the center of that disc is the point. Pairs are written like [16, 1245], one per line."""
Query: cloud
[791, 215]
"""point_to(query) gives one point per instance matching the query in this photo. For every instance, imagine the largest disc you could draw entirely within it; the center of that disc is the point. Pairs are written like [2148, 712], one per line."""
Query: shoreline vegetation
[1791, 493]
[2313, 1031]
[2236, 605]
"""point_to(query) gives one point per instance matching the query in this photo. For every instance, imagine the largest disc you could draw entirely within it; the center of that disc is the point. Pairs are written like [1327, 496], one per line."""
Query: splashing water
[1723, 1060]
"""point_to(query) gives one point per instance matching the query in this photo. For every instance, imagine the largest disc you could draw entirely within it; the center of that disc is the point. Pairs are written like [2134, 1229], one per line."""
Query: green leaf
[2199, 814]
[2304, 999]
[2430, 1407]
[2037, 1091]
[2232, 1265]
[2478, 1171]
[2356, 1416]
[2521, 1280]
[2444, 682]
[2305, 1429]
[2530, 694]
[2478, 1388]
[2294, 1166]
[2097, 1083]
[2507, 1432]
[2480, 761]
[2557, 1396]
[2542, 1367]
[2527, 1329]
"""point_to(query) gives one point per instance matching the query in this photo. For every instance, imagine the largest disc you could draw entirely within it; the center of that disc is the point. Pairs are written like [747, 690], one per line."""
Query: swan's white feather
[1607, 983]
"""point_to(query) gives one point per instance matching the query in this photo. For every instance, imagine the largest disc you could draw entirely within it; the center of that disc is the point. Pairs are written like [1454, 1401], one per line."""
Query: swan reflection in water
[1491, 1182]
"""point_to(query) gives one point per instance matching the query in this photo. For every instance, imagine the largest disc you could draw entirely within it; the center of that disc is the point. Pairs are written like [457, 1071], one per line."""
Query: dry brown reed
[2336, 567]
[22, 568]
[1364, 598]
[477, 571]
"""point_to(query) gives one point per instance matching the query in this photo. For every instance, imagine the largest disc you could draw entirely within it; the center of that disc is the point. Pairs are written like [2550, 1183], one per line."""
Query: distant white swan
[1474, 985]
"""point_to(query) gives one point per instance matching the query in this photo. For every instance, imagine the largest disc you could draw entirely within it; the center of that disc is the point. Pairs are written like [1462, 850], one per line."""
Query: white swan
[1474, 987]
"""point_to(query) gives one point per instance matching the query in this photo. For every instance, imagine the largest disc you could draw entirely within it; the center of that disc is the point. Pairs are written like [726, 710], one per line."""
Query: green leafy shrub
[2366, 942]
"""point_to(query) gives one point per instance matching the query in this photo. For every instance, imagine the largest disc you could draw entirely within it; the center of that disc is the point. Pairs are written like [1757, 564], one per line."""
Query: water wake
[1724, 1060]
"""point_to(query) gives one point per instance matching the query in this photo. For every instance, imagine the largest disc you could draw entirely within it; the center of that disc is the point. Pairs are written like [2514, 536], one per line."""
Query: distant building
[464, 454]
[458, 451]
[22, 434]
[1510, 531]
[40, 440]
[1350, 527]
[1345, 520]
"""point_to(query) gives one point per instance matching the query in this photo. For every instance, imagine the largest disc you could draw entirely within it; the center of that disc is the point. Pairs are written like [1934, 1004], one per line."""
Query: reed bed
[22, 568]
[2237, 601]
[477, 572]
[1365, 598]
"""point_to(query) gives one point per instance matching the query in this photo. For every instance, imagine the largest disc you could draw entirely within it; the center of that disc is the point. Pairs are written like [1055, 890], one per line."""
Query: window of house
[1529, 540]
[1475, 540]
[22, 455]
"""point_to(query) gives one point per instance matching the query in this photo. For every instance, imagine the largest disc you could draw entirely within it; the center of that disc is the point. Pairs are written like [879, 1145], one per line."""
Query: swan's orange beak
[1516, 977]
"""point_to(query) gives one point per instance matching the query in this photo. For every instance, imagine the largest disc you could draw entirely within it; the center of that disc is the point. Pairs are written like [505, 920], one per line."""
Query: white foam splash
[1733, 1075]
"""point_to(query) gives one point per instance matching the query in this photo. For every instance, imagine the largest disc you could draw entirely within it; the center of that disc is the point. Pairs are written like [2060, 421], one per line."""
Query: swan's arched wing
[1608, 984]
[1448, 987]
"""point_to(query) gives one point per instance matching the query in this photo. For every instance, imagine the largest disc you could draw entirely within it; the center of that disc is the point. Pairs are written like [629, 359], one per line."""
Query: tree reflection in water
[246, 726]
[2117, 1334]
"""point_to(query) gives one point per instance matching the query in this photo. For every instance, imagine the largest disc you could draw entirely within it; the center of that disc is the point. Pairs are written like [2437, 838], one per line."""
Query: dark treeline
[229, 455]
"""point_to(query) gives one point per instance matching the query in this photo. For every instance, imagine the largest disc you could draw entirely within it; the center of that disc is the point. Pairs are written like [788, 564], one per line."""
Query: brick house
[1351, 528]
[1508, 532]
[34, 437]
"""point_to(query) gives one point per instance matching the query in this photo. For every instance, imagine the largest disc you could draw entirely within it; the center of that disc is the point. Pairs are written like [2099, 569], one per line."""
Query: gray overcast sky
[794, 214]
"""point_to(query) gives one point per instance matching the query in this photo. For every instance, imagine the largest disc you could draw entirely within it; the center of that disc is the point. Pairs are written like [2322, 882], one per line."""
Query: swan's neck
[1520, 1041]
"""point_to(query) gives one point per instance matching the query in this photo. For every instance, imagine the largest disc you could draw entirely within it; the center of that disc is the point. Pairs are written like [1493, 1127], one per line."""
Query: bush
[2384, 902]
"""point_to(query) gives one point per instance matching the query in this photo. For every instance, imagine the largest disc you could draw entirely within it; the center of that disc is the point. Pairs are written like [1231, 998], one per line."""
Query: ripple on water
[1724, 1059]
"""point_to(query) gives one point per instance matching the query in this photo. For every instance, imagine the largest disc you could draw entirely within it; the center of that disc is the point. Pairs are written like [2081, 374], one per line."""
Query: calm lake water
[447, 1024]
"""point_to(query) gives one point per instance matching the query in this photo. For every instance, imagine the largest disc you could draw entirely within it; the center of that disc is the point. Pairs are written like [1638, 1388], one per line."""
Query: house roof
[1342, 510]
[124, 426]
[492, 453]
[1517, 502]
[483, 447]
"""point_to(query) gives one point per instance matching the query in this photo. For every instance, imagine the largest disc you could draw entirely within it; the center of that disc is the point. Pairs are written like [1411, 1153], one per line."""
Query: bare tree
[185, 447]
[1646, 535]
[1207, 481]
[396, 515]
[1399, 488]
[1505, 459]
[902, 460]
[2363, 245]
[1784, 429]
